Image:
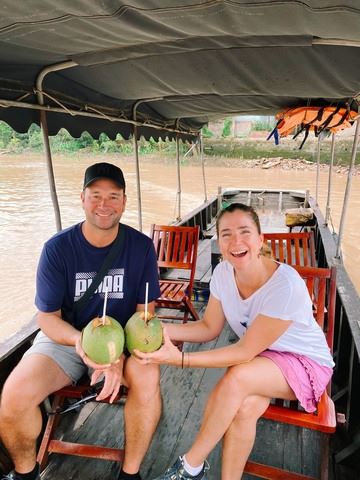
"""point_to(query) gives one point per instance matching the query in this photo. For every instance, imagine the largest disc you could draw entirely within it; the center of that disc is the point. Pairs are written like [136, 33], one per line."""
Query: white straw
[105, 302]
[146, 299]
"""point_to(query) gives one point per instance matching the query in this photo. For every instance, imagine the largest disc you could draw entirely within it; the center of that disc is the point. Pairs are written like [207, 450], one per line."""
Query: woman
[281, 352]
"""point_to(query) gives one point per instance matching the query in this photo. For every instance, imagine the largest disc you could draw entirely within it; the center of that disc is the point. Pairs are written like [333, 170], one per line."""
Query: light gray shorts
[66, 357]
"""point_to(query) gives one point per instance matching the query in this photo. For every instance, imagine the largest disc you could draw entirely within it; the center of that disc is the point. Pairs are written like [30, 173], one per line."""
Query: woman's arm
[204, 330]
[263, 332]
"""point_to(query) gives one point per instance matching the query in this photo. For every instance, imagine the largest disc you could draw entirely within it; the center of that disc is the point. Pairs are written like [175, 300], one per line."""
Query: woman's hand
[168, 353]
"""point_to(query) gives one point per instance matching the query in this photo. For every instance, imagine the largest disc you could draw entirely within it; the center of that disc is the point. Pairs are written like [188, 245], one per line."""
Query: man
[68, 263]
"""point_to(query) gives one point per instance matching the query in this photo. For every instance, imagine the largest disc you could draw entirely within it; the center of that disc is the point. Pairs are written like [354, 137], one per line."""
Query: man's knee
[17, 396]
[144, 381]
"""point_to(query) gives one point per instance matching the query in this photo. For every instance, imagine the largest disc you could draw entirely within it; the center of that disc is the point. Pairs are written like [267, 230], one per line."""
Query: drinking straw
[146, 299]
[105, 302]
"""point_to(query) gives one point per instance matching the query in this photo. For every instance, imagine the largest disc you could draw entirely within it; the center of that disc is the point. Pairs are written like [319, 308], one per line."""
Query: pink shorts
[307, 378]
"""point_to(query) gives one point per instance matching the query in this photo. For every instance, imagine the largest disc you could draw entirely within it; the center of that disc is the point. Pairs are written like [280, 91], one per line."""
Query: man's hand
[113, 376]
[112, 373]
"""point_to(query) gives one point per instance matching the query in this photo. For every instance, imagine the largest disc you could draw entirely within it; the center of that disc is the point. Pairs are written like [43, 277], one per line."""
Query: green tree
[227, 127]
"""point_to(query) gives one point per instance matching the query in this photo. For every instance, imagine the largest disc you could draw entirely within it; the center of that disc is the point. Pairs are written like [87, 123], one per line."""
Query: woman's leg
[260, 377]
[240, 436]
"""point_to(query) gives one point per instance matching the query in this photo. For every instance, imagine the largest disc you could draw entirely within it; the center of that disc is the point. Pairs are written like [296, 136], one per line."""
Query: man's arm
[140, 307]
[57, 329]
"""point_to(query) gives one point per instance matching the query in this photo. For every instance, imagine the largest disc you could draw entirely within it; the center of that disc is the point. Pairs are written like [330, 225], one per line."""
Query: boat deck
[184, 395]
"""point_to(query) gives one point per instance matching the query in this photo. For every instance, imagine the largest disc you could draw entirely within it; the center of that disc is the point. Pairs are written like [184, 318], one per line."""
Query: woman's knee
[235, 381]
[252, 407]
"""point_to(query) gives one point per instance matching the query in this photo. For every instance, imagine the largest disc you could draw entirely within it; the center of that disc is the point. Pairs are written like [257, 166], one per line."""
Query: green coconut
[103, 340]
[143, 335]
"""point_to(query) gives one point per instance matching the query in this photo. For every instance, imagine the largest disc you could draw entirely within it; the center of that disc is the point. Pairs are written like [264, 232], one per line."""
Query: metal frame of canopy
[164, 127]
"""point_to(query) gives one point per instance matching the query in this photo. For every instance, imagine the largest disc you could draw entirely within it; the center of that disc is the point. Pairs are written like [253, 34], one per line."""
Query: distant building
[241, 125]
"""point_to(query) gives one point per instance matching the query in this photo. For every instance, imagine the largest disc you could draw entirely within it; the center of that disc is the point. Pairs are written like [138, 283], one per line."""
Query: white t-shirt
[283, 296]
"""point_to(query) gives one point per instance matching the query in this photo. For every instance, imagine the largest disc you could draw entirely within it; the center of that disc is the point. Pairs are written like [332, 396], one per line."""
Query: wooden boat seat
[293, 248]
[321, 283]
[176, 249]
[51, 444]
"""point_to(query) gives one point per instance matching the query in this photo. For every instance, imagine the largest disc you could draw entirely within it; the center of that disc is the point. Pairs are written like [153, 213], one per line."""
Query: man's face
[103, 202]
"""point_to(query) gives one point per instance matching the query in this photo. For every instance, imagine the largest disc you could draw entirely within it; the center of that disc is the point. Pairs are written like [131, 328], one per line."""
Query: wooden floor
[184, 395]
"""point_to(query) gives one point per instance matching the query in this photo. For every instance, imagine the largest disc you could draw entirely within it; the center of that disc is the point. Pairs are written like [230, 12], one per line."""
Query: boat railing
[204, 216]
[346, 379]
[12, 348]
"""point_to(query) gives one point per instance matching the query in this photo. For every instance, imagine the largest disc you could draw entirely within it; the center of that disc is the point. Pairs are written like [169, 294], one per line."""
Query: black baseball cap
[104, 170]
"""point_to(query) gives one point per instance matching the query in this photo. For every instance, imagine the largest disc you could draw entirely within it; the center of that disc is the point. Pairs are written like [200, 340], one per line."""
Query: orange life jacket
[316, 119]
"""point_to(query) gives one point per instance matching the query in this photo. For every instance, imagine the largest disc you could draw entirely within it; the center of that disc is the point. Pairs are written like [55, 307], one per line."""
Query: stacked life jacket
[317, 119]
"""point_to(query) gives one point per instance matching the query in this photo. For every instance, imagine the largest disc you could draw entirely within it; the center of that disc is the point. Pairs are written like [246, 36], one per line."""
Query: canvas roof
[188, 60]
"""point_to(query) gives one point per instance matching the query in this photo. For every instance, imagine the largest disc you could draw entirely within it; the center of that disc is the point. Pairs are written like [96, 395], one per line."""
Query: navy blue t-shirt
[68, 264]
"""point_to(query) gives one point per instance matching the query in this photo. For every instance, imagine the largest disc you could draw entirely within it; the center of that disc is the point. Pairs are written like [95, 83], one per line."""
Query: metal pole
[45, 133]
[348, 187]
[219, 198]
[327, 210]
[50, 171]
[90, 114]
[203, 164]
[137, 165]
[178, 194]
[317, 171]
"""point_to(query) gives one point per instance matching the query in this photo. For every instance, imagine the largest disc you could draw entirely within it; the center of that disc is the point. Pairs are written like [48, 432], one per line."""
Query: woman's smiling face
[239, 238]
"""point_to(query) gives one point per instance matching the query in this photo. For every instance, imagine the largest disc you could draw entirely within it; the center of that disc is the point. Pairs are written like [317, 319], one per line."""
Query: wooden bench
[322, 289]
[51, 444]
[176, 248]
[293, 248]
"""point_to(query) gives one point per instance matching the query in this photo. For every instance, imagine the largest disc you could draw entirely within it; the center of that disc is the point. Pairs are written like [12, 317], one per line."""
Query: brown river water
[27, 218]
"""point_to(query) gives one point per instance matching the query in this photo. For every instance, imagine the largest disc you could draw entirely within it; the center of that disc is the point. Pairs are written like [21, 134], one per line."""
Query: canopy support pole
[203, 165]
[136, 153]
[327, 210]
[178, 193]
[45, 133]
[348, 187]
[317, 171]
[137, 166]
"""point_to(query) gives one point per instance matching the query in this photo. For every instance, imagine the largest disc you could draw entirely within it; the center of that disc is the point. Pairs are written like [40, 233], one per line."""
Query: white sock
[192, 470]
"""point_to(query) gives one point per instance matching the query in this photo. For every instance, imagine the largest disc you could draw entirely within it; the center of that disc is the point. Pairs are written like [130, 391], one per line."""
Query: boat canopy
[172, 65]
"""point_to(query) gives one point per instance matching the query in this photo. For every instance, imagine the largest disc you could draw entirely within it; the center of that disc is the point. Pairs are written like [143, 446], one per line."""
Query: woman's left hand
[168, 353]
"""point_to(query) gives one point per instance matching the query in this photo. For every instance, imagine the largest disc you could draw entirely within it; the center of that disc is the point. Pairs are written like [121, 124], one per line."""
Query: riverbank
[278, 163]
